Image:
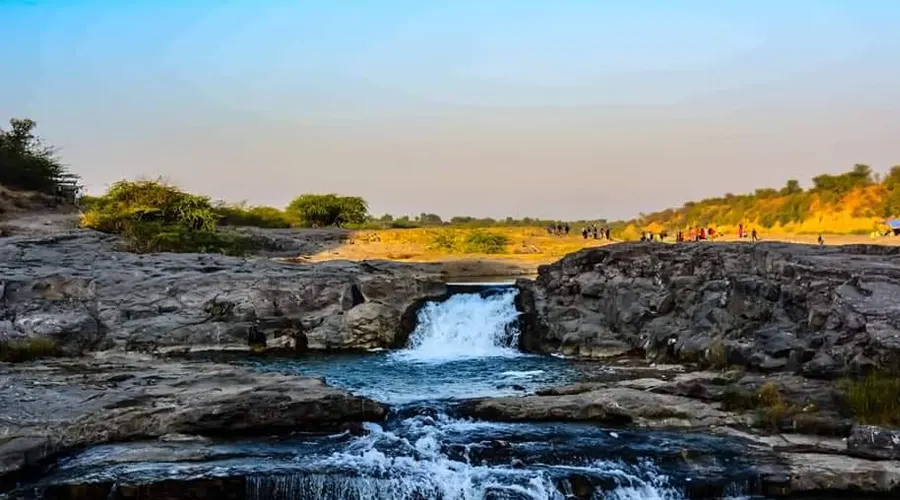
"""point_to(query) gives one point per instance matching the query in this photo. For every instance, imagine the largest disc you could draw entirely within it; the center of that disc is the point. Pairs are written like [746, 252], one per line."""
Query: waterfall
[465, 326]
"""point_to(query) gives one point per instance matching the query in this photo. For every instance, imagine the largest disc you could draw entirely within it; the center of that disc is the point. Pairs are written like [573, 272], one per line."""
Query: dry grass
[18, 351]
[874, 400]
[528, 247]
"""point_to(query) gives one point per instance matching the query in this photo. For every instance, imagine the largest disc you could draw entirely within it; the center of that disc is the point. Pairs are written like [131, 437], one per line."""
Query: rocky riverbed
[743, 342]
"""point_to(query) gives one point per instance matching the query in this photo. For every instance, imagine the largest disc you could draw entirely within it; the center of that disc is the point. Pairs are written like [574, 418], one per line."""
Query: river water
[462, 348]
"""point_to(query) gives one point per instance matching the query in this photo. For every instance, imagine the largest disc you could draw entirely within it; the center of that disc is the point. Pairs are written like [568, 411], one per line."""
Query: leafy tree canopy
[323, 210]
[26, 162]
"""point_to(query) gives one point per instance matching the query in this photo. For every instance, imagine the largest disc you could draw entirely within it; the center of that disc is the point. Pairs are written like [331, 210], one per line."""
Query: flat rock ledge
[54, 406]
[75, 289]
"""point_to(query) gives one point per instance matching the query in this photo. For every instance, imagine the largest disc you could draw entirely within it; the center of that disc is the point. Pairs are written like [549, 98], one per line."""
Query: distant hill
[855, 202]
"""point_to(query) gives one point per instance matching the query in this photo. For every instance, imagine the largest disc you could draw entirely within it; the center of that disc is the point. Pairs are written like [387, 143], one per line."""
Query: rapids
[463, 347]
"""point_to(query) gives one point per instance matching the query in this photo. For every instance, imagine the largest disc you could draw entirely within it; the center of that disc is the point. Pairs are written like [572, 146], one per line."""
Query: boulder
[77, 290]
[767, 307]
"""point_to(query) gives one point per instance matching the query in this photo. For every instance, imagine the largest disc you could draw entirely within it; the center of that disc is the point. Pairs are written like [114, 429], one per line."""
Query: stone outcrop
[607, 405]
[74, 288]
[767, 307]
[61, 404]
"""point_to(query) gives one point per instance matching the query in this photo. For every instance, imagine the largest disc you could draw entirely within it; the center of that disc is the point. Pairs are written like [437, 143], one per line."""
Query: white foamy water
[521, 374]
[416, 468]
[465, 326]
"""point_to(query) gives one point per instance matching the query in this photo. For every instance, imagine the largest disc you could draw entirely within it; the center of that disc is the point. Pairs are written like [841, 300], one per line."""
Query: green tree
[890, 205]
[430, 219]
[26, 163]
[792, 187]
[323, 210]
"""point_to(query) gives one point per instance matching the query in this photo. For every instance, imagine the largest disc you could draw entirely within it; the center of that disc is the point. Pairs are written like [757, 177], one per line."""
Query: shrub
[717, 355]
[874, 400]
[443, 241]
[323, 210]
[241, 215]
[18, 351]
[479, 241]
[153, 216]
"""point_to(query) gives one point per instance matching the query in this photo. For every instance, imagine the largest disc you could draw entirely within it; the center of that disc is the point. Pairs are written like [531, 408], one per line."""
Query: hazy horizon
[567, 109]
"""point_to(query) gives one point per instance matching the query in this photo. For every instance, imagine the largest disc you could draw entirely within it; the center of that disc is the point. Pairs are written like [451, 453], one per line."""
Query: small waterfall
[465, 326]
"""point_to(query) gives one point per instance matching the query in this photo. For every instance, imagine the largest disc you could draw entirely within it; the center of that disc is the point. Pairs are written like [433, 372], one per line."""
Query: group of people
[698, 234]
[596, 233]
[558, 229]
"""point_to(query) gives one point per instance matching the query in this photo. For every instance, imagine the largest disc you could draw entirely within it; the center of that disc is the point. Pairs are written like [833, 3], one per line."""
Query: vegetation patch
[242, 215]
[717, 355]
[19, 351]
[324, 210]
[772, 411]
[853, 202]
[444, 241]
[153, 216]
[480, 241]
[875, 399]
[468, 242]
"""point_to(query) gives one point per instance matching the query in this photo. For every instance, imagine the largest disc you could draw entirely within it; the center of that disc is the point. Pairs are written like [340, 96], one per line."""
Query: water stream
[463, 347]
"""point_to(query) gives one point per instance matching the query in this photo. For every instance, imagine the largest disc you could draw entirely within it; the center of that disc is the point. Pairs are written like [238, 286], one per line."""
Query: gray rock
[613, 405]
[66, 403]
[826, 473]
[869, 441]
[768, 307]
[76, 289]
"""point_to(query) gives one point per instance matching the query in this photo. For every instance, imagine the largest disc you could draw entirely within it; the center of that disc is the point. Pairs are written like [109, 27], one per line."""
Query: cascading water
[465, 326]
[462, 347]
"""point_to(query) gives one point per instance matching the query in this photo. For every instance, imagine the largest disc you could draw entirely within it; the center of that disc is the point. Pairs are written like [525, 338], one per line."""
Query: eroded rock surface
[75, 288]
[60, 404]
[610, 405]
[766, 307]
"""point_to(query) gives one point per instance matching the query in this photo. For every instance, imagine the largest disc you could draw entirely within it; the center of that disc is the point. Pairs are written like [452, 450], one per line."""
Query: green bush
[240, 215]
[443, 241]
[17, 351]
[154, 216]
[485, 242]
[874, 400]
[26, 163]
[323, 210]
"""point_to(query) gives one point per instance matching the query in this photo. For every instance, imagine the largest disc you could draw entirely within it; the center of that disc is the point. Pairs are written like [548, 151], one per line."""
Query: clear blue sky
[559, 108]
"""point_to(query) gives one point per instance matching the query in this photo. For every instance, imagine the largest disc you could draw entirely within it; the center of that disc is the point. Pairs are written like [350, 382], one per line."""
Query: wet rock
[76, 289]
[812, 473]
[869, 441]
[61, 404]
[768, 307]
[614, 406]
